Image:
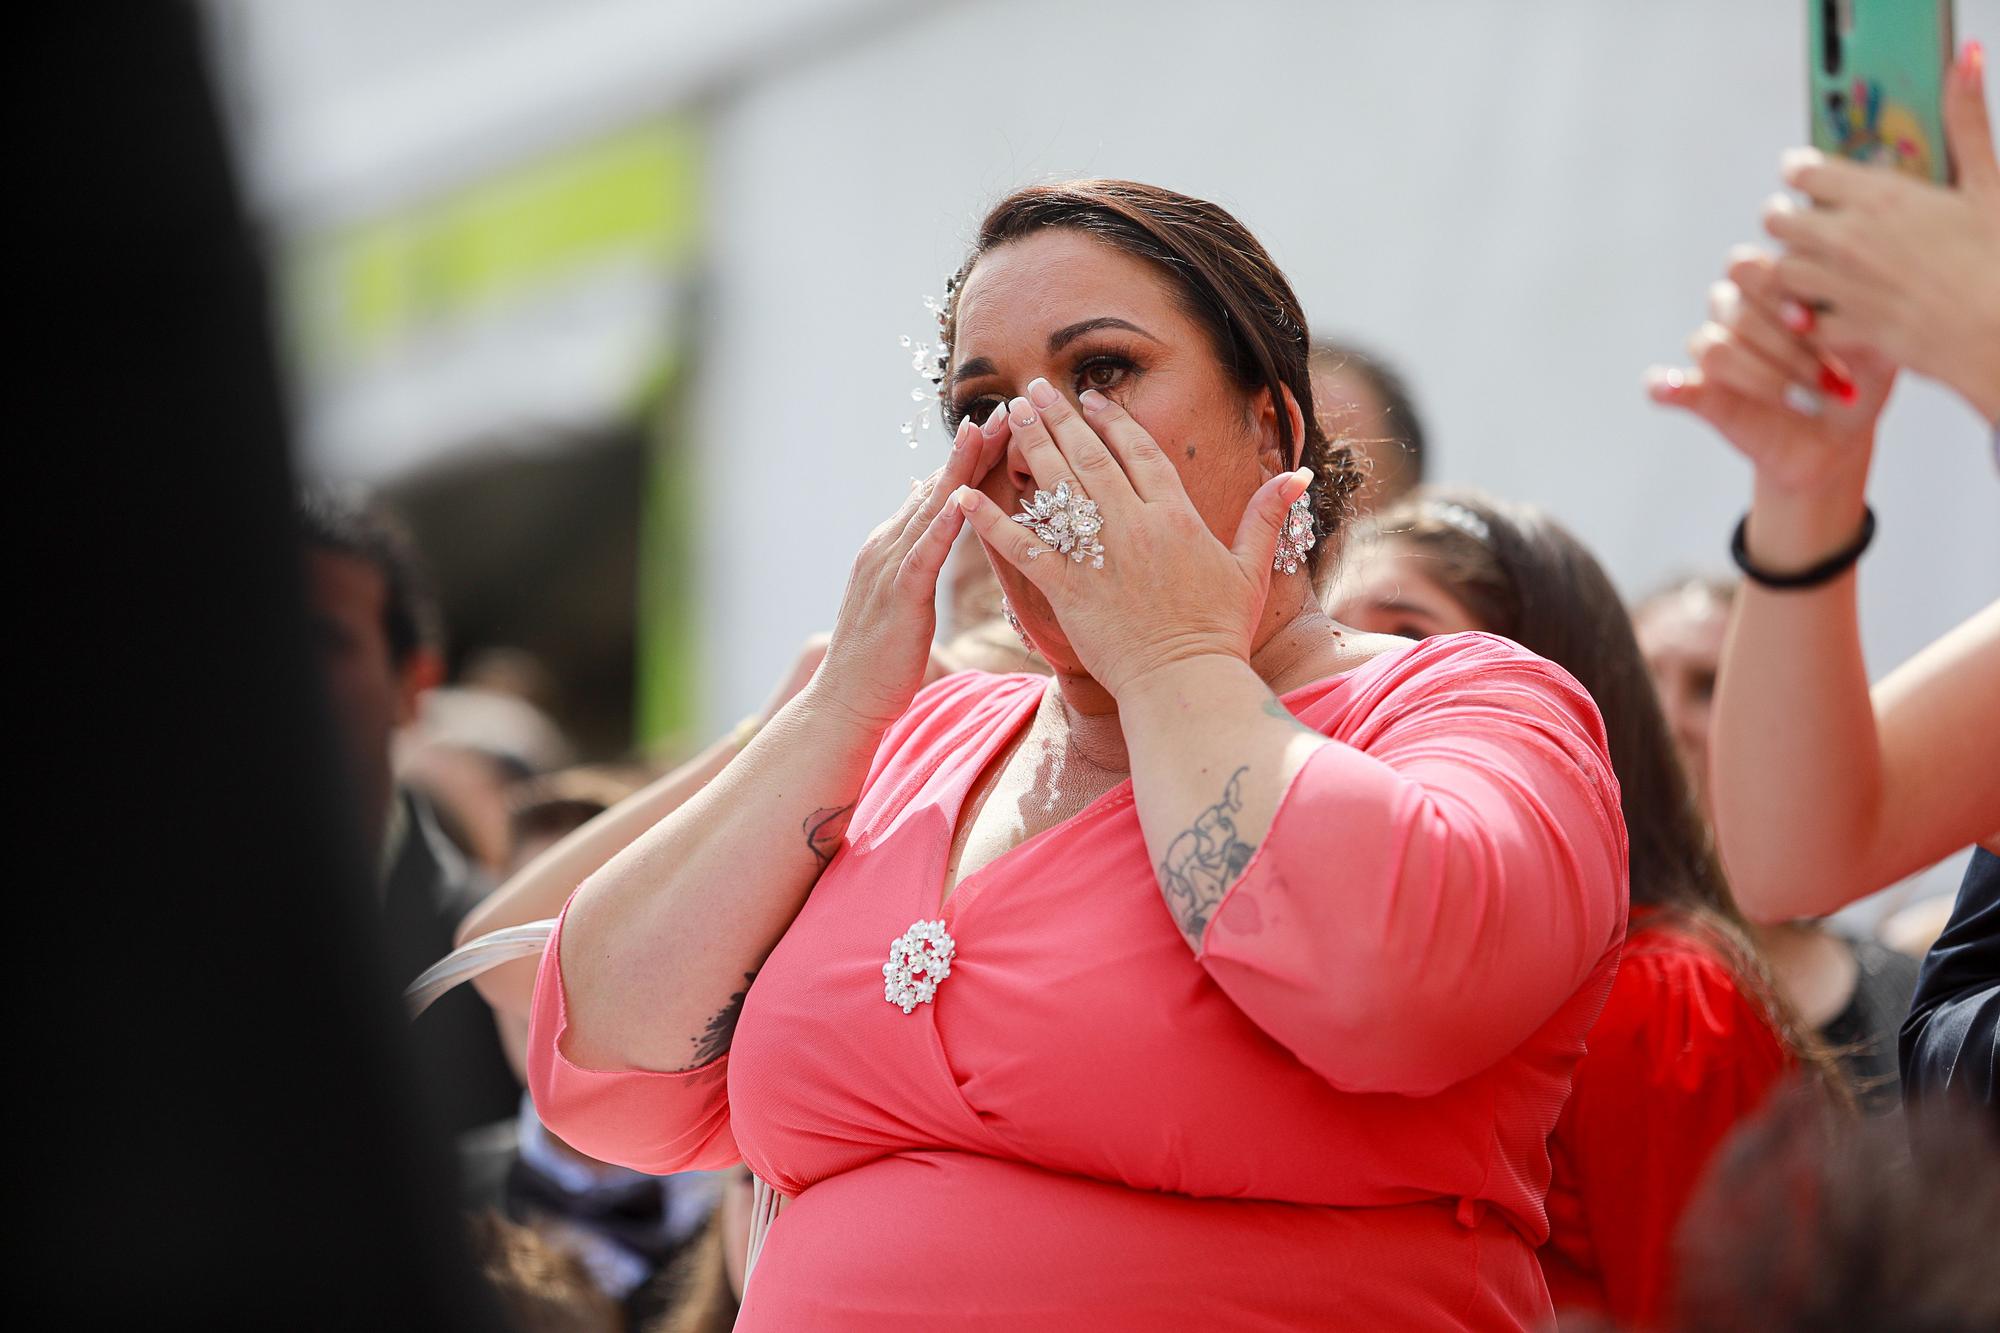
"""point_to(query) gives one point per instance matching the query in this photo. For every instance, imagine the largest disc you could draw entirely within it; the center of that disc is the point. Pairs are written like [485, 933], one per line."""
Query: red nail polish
[1972, 65]
[1798, 318]
[1833, 382]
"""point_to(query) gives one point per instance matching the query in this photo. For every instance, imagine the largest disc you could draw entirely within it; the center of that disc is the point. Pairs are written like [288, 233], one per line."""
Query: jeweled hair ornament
[928, 360]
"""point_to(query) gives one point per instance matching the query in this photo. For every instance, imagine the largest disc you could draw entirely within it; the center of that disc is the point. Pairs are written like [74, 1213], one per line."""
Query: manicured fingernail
[965, 498]
[1041, 392]
[964, 429]
[1794, 160]
[1831, 381]
[1802, 400]
[1304, 474]
[1972, 64]
[1021, 412]
[1665, 384]
[1092, 401]
[1797, 317]
[994, 418]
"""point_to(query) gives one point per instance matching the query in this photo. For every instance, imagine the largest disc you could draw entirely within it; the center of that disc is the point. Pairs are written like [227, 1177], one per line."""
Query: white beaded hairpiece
[1458, 516]
[928, 360]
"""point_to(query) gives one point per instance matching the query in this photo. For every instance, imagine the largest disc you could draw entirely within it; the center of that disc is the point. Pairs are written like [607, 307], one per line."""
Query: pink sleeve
[1433, 889]
[664, 1122]
[649, 1121]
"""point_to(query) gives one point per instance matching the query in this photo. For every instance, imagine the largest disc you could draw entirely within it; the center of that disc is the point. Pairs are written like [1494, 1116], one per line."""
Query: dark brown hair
[1524, 577]
[1809, 1221]
[1225, 281]
[346, 521]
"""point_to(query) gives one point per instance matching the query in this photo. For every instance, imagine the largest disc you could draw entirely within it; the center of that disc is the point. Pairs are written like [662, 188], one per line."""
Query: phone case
[1875, 81]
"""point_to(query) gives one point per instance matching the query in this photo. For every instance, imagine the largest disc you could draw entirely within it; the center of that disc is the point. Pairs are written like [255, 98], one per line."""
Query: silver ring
[1067, 522]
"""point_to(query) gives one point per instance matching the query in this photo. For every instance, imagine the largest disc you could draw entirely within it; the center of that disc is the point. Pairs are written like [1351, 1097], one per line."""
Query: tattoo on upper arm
[824, 828]
[721, 1030]
[1204, 860]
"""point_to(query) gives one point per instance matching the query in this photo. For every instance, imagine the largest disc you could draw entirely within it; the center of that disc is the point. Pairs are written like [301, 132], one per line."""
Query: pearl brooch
[918, 961]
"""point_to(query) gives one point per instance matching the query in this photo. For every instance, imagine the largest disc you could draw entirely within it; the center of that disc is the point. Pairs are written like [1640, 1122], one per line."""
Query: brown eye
[1103, 374]
[978, 410]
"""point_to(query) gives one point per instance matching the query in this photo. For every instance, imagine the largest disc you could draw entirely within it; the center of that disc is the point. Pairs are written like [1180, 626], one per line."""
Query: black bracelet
[1824, 572]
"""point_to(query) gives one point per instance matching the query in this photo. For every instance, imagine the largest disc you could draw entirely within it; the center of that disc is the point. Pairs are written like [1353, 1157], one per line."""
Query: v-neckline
[950, 907]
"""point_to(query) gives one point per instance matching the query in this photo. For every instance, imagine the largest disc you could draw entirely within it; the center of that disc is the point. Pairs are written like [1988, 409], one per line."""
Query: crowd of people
[1306, 894]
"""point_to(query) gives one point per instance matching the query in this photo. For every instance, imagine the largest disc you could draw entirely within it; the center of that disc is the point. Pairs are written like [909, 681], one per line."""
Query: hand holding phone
[1876, 73]
[1902, 266]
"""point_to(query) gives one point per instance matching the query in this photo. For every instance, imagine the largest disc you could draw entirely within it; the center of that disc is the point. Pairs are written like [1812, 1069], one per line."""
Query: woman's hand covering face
[1168, 589]
[880, 652]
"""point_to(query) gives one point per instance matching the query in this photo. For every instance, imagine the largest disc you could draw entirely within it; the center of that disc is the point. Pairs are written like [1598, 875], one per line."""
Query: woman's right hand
[881, 650]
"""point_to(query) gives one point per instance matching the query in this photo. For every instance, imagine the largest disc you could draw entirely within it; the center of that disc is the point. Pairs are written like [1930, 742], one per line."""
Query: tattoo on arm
[824, 828]
[1204, 861]
[721, 1030]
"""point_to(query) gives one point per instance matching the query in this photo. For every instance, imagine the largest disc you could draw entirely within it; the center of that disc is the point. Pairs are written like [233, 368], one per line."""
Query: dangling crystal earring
[1007, 610]
[1295, 538]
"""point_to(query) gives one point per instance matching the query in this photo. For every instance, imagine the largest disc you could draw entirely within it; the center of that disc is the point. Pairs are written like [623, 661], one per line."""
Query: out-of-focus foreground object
[220, 1128]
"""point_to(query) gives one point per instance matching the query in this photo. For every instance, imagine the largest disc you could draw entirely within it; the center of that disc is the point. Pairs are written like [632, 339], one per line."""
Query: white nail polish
[1803, 400]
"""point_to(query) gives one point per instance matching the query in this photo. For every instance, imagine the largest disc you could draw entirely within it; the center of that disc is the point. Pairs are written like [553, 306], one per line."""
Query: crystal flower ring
[917, 963]
[1067, 522]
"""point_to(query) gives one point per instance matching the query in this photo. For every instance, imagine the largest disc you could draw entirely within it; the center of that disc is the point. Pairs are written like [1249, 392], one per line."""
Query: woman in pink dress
[1231, 979]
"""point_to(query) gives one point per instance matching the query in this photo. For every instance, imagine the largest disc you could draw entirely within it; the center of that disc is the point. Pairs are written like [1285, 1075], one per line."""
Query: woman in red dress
[1692, 1038]
[1232, 978]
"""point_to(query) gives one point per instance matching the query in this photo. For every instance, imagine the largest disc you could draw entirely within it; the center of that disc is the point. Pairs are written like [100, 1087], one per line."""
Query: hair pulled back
[1224, 280]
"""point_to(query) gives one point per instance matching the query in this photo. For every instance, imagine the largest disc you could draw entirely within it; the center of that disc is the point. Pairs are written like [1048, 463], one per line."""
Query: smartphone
[1875, 78]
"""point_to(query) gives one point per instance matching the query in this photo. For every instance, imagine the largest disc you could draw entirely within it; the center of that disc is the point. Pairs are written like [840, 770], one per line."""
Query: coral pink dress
[1334, 1116]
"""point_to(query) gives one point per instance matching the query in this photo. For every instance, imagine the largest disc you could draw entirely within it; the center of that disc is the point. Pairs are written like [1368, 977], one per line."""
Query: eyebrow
[1058, 340]
[1069, 333]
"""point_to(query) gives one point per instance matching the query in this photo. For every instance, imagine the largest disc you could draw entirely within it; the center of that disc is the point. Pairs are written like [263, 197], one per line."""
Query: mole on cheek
[1190, 451]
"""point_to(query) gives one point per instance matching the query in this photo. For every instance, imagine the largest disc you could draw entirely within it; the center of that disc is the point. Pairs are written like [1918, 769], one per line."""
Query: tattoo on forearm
[824, 828]
[721, 1030]
[1204, 861]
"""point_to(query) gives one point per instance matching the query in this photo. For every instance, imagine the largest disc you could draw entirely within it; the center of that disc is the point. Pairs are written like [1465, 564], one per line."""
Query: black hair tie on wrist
[1824, 572]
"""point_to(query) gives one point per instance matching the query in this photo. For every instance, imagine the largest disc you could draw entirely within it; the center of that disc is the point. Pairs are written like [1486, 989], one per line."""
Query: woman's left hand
[1168, 590]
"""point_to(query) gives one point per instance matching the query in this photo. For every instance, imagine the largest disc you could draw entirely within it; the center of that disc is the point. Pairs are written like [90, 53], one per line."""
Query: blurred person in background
[1365, 401]
[1810, 1222]
[626, 1227]
[515, 672]
[466, 749]
[543, 1287]
[1853, 992]
[1824, 790]
[703, 1291]
[1692, 1038]
[380, 649]
[1114, 1098]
